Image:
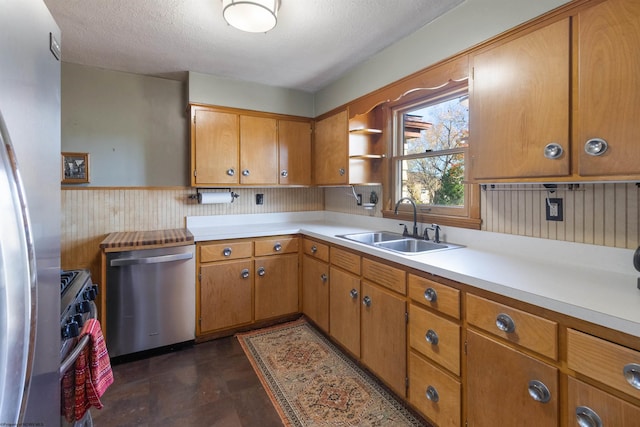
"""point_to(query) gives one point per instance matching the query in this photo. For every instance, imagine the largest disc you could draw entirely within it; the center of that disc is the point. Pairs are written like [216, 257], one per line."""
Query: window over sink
[430, 144]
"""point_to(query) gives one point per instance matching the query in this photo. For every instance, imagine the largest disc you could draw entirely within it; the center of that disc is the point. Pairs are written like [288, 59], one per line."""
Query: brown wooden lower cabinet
[344, 309]
[225, 294]
[276, 286]
[384, 335]
[503, 385]
[315, 291]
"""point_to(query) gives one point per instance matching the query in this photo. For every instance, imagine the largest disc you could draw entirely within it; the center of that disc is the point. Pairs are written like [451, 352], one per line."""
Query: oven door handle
[150, 260]
[84, 341]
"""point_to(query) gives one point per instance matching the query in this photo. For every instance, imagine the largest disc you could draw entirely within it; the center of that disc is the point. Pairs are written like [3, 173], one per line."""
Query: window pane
[440, 126]
[434, 180]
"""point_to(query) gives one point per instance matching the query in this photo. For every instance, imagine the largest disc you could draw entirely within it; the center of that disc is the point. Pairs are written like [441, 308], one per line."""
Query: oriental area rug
[311, 383]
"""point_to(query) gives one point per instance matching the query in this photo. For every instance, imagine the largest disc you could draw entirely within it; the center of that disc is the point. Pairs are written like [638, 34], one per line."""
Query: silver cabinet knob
[261, 271]
[245, 172]
[596, 147]
[505, 323]
[553, 151]
[231, 172]
[277, 247]
[341, 171]
[539, 392]
[631, 373]
[314, 249]
[354, 293]
[284, 173]
[226, 252]
[432, 394]
[324, 277]
[430, 295]
[432, 337]
[587, 417]
[245, 273]
[366, 301]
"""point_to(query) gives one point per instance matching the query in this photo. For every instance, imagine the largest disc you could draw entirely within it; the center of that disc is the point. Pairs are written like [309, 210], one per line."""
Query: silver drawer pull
[596, 147]
[539, 392]
[231, 172]
[261, 271]
[587, 417]
[505, 323]
[245, 273]
[430, 295]
[366, 301]
[631, 373]
[553, 151]
[226, 252]
[341, 171]
[354, 293]
[284, 173]
[432, 394]
[432, 337]
[314, 249]
[277, 247]
[324, 277]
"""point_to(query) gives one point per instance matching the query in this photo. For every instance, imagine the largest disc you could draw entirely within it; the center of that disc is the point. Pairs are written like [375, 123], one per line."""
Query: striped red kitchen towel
[93, 375]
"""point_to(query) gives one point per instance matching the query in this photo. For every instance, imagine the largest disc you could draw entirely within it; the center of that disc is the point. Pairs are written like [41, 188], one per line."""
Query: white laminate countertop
[594, 283]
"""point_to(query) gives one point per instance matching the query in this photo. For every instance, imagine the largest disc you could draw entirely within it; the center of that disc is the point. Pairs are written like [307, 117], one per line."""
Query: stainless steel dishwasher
[150, 298]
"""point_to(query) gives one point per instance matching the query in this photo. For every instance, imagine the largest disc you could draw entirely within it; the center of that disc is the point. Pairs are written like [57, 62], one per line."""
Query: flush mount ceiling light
[253, 16]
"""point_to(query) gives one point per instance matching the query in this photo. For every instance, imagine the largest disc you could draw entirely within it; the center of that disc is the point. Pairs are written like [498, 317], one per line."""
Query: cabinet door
[258, 150]
[315, 291]
[519, 104]
[608, 81]
[294, 152]
[331, 150]
[225, 294]
[276, 286]
[214, 150]
[384, 336]
[589, 403]
[498, 379]
[344, 309]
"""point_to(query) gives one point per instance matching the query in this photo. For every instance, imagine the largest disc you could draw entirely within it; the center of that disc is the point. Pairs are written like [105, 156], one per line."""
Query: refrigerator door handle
[18, 282]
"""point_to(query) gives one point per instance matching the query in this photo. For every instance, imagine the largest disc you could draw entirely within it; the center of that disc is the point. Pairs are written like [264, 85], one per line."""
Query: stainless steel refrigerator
[29, 214]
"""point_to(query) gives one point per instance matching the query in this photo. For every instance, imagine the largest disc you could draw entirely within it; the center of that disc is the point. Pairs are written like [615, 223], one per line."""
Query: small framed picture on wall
[75, 168]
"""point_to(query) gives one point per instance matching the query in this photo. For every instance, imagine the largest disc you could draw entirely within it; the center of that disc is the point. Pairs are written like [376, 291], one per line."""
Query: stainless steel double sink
[396, 242]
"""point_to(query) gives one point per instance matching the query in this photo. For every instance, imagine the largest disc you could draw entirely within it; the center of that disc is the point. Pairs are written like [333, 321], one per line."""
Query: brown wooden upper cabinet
[522, 123]
[519, 103]
[330, 150]
[231, 148]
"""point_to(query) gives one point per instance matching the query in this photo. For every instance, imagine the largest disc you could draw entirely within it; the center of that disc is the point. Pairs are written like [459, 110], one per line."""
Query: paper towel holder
[196, 196]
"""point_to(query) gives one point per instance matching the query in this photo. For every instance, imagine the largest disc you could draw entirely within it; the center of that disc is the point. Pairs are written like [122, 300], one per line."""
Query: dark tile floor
[209, 384]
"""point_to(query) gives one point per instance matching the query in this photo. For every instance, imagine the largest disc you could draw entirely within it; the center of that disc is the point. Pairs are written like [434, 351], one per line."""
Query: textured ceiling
[314, 43]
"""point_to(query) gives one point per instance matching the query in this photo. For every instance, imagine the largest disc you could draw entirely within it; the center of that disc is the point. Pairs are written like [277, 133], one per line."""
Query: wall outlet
[554, 209]
[259, 199]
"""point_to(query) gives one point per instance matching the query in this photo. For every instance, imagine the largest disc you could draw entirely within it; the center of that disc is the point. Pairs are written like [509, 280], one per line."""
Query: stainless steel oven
[77, 295]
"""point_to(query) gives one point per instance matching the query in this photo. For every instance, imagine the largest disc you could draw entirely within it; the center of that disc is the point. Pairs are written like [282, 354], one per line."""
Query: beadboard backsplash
[90, 213]
[599, 214]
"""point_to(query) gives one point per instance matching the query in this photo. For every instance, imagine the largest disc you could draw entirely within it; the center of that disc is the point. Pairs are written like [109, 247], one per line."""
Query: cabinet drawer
[611, 411]
[346, 260]
[528, 330]
[427, 380]
[385, 275]
[440, 297]
[444, 335]
[316, 250]
[225, 251]
[603, 361]
[284, 245]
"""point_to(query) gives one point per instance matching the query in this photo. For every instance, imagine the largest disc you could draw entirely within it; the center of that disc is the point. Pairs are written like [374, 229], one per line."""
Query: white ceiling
[313, 44]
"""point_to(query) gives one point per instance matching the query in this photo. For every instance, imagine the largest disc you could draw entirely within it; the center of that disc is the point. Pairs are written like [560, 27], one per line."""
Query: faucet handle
[405, 232]
[436, 228]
